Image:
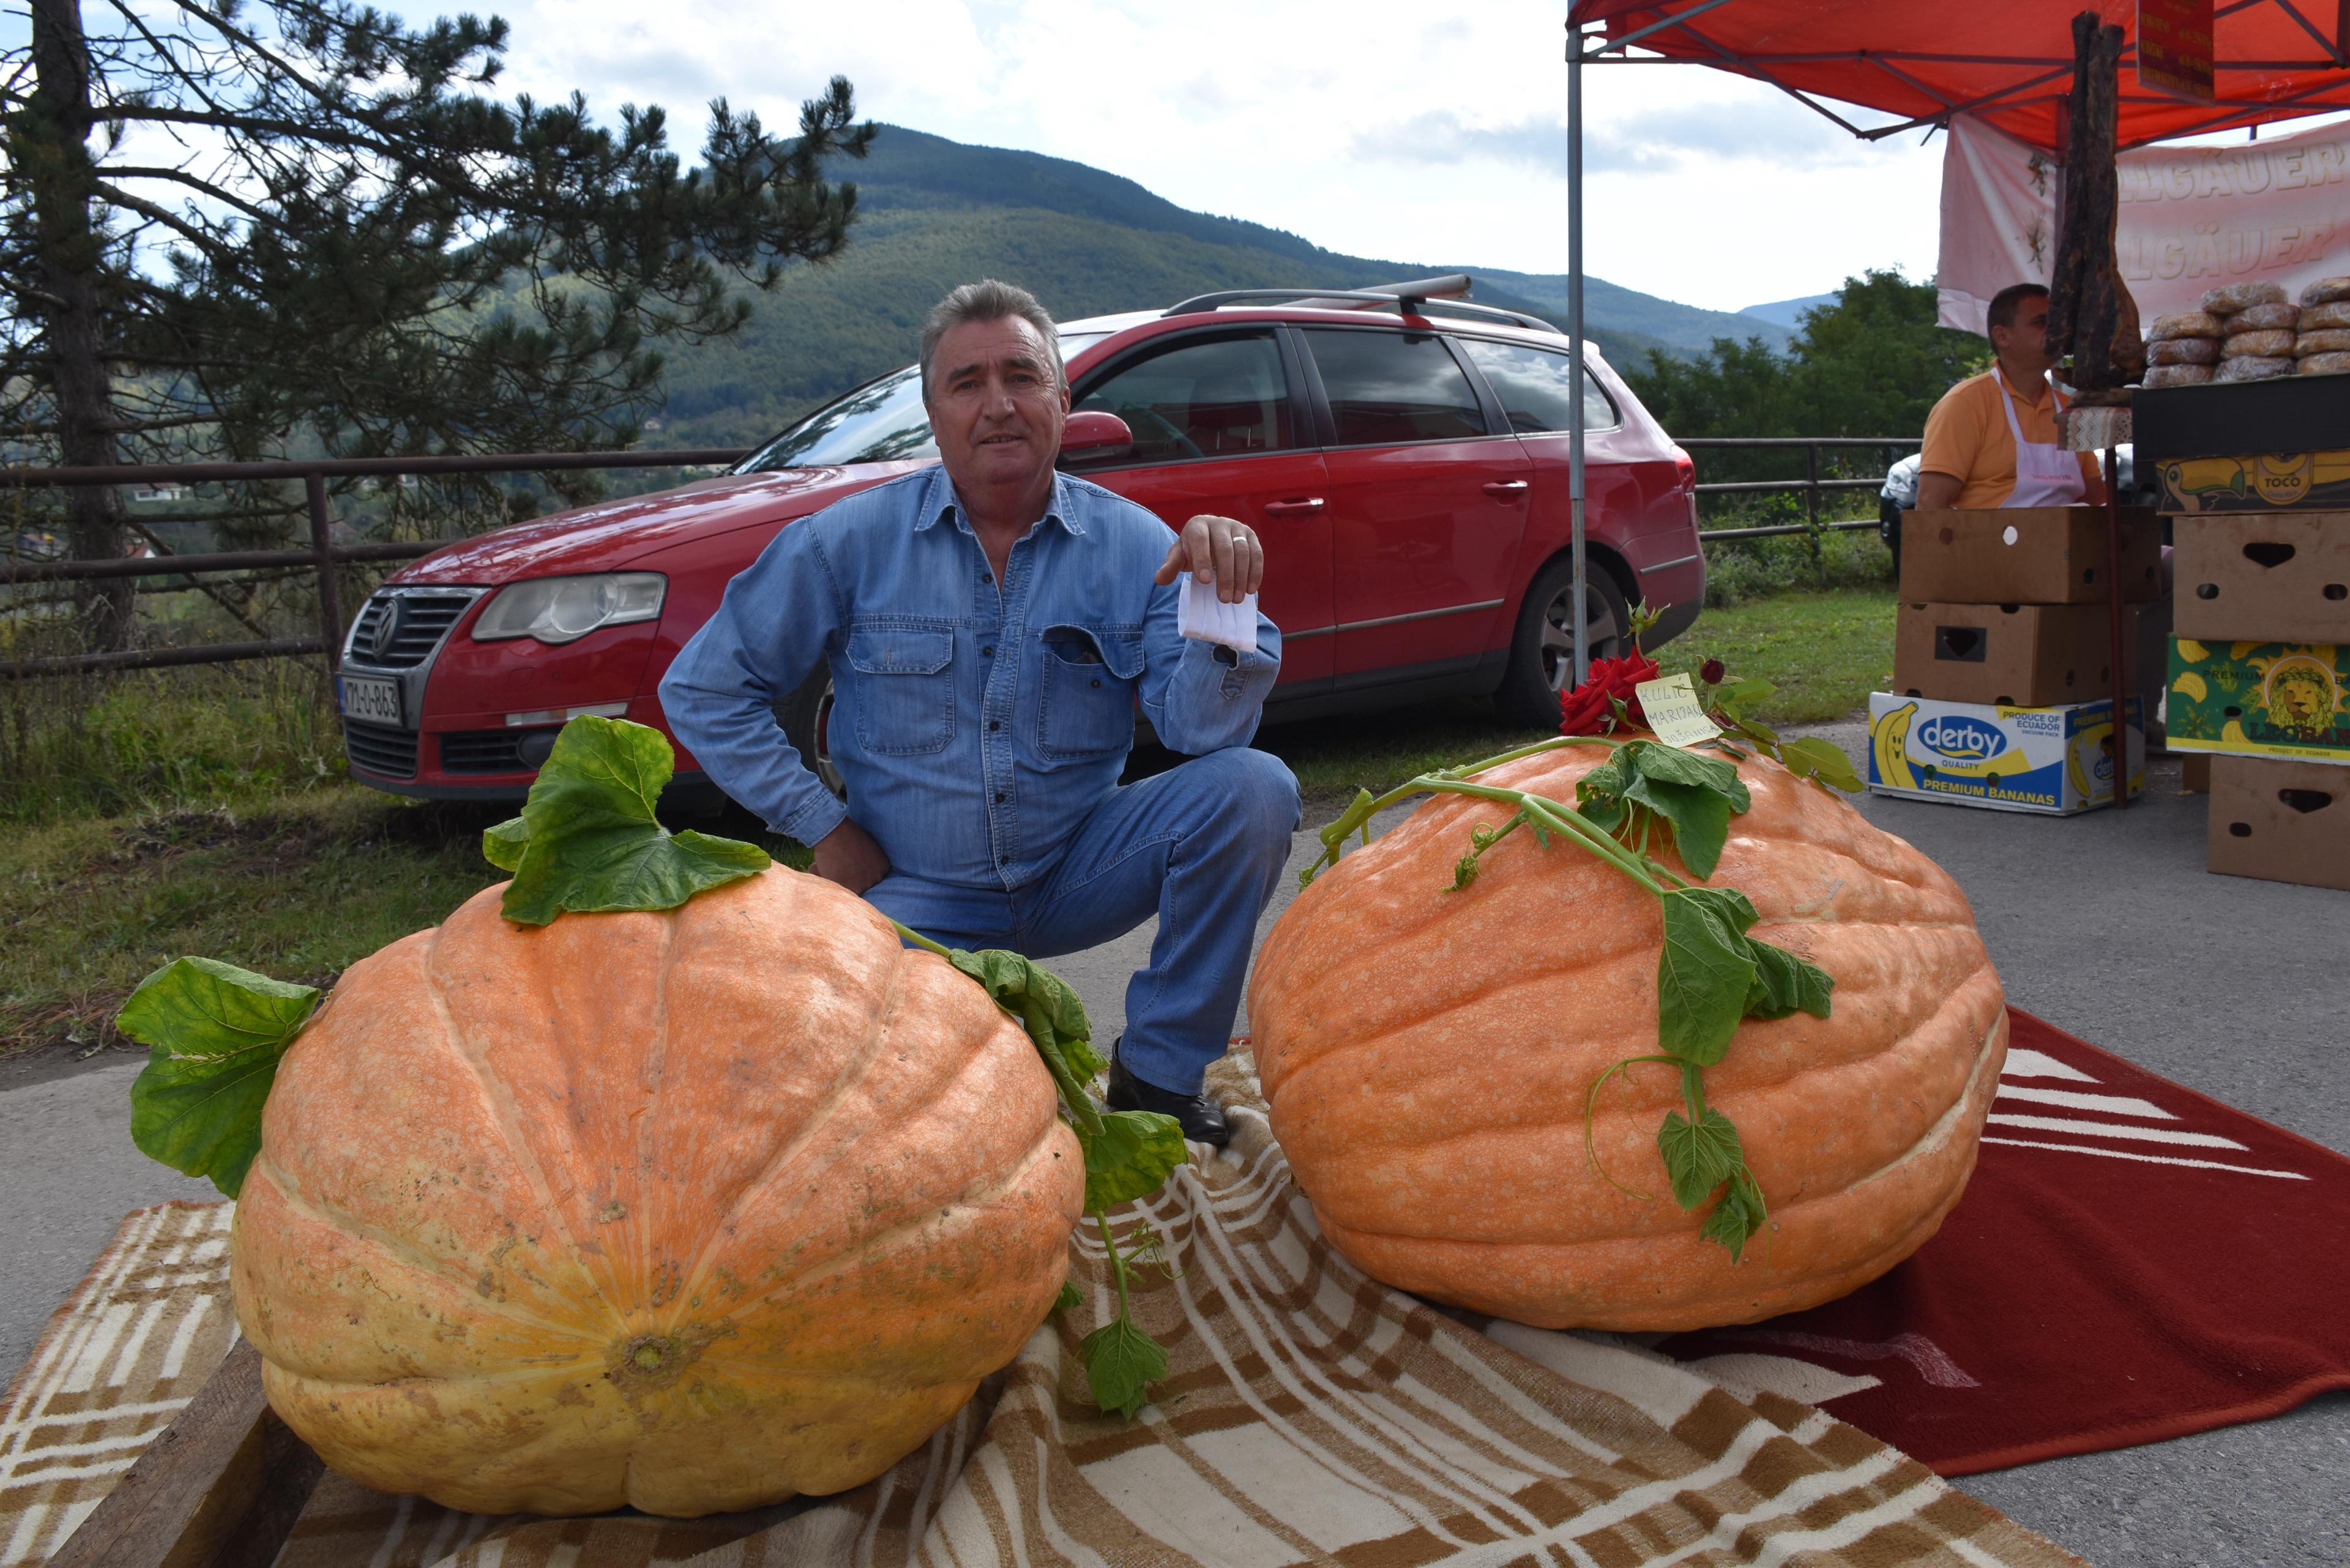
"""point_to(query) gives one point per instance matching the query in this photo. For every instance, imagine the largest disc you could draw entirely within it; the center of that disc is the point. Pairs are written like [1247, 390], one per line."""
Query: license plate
[371, 699]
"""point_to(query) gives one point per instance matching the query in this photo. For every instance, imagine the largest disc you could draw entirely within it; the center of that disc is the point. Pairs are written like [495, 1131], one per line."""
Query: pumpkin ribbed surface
[689, 1211]
[1426, 1055]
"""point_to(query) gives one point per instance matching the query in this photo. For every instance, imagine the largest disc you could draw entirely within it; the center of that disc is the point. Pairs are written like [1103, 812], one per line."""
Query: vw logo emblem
[387, 632]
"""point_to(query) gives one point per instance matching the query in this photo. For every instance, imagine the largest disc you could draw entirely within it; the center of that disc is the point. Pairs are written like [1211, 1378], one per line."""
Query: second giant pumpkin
[689, 1210]
[1426, 1055]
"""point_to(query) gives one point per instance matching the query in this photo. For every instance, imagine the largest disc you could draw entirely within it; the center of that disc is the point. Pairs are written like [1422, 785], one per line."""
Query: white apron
[2045, 473]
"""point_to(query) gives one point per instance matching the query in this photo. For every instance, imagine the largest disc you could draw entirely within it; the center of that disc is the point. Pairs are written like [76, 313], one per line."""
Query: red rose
[1711, 672]
[1589, 708]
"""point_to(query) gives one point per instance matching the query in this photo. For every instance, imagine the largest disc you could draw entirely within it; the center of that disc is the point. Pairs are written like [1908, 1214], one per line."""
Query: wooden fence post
[330, 598]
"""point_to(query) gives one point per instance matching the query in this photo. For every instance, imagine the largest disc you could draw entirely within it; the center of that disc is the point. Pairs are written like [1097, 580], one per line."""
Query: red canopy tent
[2008, 62]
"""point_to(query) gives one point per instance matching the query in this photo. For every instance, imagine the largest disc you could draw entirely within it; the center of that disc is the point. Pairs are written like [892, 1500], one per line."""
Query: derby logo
[1961, 740]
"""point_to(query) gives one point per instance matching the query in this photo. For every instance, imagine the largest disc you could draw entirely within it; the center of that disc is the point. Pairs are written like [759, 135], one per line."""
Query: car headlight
[565, 609]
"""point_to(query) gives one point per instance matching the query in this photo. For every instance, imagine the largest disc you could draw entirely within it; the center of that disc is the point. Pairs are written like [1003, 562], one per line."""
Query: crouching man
[989, 624]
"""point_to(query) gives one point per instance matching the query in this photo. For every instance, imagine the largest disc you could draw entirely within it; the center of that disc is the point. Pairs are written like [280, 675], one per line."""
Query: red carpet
[2132, 1261]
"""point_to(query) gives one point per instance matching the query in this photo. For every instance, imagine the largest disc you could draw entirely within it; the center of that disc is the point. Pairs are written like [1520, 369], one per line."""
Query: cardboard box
[2280, 821]
[2289, 414]
[2270, 482]
[2260, 698]
[2054, 760]
[2029, 656]
[2027, 556]
[2195, 773]
[2282, 577]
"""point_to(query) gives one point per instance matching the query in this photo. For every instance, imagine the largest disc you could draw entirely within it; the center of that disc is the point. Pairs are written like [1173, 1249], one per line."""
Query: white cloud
[1371, 130]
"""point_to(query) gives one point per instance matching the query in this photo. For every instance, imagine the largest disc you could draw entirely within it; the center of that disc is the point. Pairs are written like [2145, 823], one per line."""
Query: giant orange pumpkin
[689, 1211]
[1426, 1055]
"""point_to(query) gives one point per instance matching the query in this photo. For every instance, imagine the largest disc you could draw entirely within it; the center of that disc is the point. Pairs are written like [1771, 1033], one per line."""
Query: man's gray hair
[989, 300]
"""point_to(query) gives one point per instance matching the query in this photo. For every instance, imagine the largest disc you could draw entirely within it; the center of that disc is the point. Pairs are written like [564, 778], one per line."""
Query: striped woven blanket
[1310, 1416]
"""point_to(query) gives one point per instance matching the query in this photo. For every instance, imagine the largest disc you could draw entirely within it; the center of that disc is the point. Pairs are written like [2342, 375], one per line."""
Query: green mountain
[934, 212]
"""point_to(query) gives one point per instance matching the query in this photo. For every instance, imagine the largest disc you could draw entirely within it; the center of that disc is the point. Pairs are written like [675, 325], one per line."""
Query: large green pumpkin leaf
[1700, 818]
[1121, 1361]
[1045, 1005]
[1699, 1156]
[1705, 973]
[1823, 760]
[591, 842]
[1737, 1216]
[1671, 765]
[1134, 1153]
[503, 843]
[1785, 983]
[215, 1034]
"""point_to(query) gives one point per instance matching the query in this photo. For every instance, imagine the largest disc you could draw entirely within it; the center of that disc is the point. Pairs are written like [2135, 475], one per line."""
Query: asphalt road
[2106, 925]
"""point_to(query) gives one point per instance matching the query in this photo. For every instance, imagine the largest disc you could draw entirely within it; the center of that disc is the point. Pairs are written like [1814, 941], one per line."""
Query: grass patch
[157, 741]
[1825, 653]
[297, 887]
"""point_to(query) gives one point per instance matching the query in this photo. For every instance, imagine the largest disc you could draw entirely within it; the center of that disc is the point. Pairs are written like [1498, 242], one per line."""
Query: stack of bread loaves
[2259, 324]
[2183, 350]
[2324, 344]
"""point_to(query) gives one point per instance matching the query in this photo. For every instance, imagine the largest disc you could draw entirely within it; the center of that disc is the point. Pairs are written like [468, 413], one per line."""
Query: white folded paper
[1200, 613]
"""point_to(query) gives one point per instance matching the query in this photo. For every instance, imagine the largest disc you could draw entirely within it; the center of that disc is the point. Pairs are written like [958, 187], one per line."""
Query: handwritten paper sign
[1673, 712]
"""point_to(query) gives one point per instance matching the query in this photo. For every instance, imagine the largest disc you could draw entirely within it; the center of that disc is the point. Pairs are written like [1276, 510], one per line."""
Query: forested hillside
[934, 212]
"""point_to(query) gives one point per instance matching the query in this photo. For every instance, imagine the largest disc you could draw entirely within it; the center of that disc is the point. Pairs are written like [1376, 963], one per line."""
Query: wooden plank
[219, 1487]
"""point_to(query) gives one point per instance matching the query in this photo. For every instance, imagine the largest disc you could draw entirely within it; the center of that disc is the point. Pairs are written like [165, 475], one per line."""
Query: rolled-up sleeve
[1195, 701]
[774, 626]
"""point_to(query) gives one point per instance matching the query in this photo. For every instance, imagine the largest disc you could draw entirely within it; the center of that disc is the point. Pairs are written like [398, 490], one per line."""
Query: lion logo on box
[2300, 691]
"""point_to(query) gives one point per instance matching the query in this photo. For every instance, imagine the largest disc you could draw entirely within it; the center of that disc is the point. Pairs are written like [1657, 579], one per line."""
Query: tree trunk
[57, 168]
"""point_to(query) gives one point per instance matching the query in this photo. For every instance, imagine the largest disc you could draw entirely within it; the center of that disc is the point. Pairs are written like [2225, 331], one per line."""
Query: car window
[1534, 387]
[881, 421]
[1389, 387]
[1224, 398]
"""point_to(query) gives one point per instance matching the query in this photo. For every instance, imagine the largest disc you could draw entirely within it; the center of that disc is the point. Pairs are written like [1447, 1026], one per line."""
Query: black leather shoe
[1202, 1119]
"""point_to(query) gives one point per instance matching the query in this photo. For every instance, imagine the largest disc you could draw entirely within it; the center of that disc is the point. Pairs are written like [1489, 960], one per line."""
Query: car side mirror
[1094, 432]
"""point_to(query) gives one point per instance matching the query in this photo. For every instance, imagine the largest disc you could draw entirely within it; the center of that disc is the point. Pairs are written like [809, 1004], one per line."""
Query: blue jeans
[1200, 846]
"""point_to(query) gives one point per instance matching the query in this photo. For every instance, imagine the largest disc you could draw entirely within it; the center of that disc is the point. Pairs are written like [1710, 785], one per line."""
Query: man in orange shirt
[1991, 441]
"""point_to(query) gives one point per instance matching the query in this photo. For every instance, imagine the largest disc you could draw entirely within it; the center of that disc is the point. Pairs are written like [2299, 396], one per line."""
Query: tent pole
[1575, 345]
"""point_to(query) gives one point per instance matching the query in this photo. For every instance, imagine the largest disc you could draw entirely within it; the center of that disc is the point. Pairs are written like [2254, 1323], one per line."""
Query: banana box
[2261, 699]
[2261, 482]
[2056, 760]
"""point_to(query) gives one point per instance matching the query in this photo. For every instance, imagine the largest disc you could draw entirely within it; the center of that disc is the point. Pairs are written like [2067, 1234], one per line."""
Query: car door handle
[1305, 508]
[1502, 489]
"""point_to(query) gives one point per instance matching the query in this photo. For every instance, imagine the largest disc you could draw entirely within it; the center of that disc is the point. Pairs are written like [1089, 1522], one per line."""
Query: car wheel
[807, 719]
[1542, 650]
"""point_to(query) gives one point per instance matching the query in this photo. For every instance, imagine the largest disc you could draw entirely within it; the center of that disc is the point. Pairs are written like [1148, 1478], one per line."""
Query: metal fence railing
[323, 556]
[1811, 486]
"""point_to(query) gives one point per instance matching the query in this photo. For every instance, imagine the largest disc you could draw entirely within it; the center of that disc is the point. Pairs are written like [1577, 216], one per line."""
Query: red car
[1405, 460]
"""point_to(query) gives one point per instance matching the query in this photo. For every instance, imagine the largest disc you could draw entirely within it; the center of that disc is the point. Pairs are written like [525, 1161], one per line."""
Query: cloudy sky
[1386, 128]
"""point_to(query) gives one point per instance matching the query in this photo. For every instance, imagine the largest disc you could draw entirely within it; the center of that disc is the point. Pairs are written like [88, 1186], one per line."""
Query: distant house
[154, 493]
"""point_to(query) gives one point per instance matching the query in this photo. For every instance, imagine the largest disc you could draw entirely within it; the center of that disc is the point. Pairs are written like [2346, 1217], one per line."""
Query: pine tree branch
[194, 183]
[261, 125]
[206, 243]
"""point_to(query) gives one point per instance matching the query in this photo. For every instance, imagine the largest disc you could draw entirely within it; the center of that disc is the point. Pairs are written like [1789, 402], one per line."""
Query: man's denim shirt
[976, 723]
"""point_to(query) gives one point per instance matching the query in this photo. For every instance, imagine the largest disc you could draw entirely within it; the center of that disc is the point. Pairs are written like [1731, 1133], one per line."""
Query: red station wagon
[1404, 460]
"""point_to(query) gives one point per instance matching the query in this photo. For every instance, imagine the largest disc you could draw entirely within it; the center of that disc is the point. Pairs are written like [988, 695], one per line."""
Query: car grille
[417, 624]
[483, 752]
[387, 754]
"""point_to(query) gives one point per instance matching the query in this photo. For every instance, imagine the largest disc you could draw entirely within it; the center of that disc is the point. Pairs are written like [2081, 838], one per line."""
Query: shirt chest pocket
[904, 689]
[1086, 705]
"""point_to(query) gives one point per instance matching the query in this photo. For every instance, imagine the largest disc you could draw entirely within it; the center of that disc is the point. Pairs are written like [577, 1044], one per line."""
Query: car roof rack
[1405, 298]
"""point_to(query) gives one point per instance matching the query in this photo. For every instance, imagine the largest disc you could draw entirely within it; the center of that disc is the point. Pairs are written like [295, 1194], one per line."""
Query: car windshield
[881, 421]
